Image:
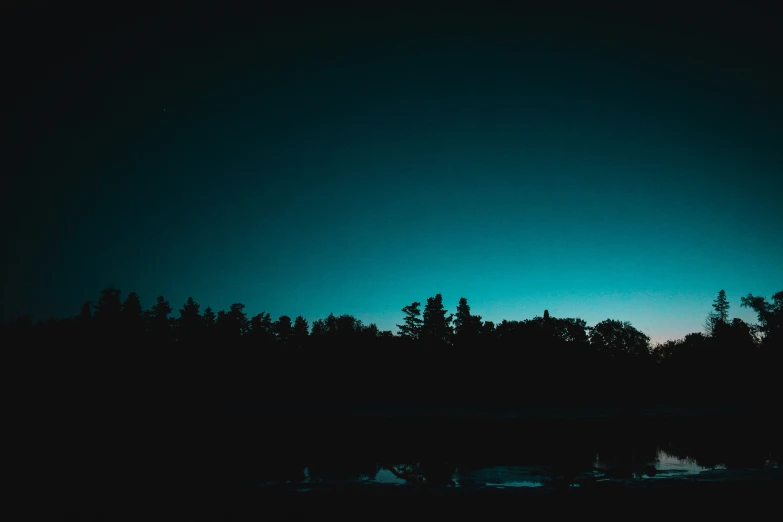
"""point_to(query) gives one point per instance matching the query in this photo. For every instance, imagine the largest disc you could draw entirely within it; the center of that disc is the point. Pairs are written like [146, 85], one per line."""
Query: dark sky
[599, 162]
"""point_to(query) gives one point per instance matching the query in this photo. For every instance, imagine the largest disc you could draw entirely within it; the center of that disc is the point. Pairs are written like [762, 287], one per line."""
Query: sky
[596, 162]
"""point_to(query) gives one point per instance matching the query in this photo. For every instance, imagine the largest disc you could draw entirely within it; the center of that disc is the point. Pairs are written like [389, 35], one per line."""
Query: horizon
[302, 161]
[526, 310]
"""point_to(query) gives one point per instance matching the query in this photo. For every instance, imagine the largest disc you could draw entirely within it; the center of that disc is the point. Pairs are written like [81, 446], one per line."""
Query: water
[664, 466]
[535, 453]
[673, 466]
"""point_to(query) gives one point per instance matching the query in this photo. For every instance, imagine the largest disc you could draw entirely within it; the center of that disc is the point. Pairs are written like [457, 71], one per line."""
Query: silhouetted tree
[262, 329]
[107, 319]
[158, 320]
[237, 322]
[190, 310]
[666, 350]
[413, 322]
[466, 326]
[301, 331]
[283, 329]
[721, 306]
[741, 332]
[209, 335]
[547, 329]
[734, 345]
[770, 316]
[190, 324]
[222, 326]
[462, 317]
[131, 309]
[488, 329]
[345, 325]
[370, 332]
[161, 309]
[506, 331]
[437, 325]
[556, 355]
[133, 317]
[570, 330]
[720, 314]
[319, 328]
[690, 352]
[209, 317]
[618, 338]
[109, 305]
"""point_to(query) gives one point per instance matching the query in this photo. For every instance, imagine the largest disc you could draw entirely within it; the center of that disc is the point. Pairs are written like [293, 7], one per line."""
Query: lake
[664, 466]
[253, 462]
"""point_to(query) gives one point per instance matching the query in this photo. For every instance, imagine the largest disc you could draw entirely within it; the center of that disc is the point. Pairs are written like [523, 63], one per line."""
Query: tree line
[436, 355]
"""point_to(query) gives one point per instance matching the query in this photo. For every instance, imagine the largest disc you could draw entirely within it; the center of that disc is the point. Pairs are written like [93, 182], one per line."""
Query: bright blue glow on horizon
[581, 187]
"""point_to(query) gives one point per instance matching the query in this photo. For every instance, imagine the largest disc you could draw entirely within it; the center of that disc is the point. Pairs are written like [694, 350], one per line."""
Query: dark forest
[437, 358]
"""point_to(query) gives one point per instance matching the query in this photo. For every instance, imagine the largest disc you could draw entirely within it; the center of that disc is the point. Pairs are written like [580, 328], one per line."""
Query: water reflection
[633, 464]
[503, 476]
[669, 465]
[385, 476]
[459, 454]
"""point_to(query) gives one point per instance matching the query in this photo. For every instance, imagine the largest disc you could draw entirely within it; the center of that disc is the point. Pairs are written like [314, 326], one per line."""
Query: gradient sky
[587, 161]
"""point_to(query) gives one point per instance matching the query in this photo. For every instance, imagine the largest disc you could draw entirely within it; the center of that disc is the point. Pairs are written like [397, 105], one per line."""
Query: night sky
[593, 162]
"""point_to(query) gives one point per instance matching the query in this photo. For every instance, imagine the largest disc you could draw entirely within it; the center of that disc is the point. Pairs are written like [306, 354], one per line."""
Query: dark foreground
[749, 500]
[211, 465]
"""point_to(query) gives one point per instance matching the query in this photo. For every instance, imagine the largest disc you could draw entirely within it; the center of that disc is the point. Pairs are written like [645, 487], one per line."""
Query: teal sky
[326, 164]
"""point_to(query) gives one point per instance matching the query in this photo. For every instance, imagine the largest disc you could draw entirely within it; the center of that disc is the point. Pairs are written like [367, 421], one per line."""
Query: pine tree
[301, 331]
[720, 316]
[237, 319]
[721, 306]
[190, 309]
[190, 321]
[109, 306]
[158, 318]
[209, 317]
[209, 322]
[466, 326]
[161, 310]
[131, 309]
[437, 325]
[462, 317]
[413, 322]
[301, 328]
[132, 317]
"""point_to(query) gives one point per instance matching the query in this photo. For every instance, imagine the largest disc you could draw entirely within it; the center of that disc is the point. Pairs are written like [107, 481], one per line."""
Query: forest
[115, 350]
